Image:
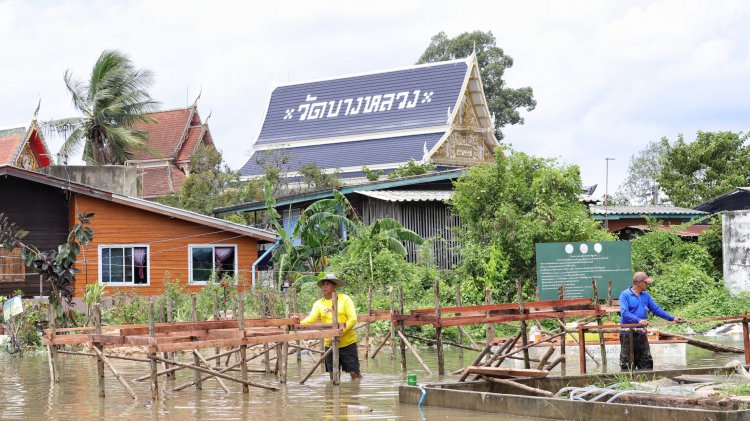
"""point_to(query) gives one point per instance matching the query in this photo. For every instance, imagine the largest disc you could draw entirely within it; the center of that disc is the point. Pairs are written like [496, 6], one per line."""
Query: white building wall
[736, 250]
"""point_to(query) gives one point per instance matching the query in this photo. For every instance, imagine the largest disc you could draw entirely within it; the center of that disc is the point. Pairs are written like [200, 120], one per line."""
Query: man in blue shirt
[635, 303]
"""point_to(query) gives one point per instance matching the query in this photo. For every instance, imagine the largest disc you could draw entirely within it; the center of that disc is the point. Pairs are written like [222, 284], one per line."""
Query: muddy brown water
[25, 392]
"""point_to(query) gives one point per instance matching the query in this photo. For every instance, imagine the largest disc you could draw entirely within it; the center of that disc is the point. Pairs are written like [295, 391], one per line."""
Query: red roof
[161, 180]
[689, 231]
[9, 143]
[165, 134]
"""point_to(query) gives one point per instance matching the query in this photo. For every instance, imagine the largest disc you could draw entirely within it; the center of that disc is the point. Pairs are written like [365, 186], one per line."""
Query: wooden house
[137, 243]
[434, 113]
[632, 219]
[174, 136]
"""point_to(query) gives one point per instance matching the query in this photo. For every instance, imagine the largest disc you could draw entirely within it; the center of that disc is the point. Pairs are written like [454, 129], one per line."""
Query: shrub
[680, 284]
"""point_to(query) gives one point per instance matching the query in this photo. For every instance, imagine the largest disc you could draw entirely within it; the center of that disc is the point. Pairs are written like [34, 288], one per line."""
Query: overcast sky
[608, 76]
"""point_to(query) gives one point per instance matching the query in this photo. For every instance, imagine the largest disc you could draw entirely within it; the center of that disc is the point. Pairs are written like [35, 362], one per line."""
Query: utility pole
[606, 193]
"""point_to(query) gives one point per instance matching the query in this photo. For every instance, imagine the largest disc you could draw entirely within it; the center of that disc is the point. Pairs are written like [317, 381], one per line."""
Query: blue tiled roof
[413, 98]
[348, 154]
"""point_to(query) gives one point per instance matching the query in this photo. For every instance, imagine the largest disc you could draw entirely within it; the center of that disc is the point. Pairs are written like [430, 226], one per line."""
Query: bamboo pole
[217, 316]
[170, 319]
[490, 326]
[432, 341]
[54, 374]
[545, 357]
[385, 340]
[205, 377]
[243, 348]
[97, 349]
[367, 324]
[511, 383]
[314, 367]
[284, 361]
[460, 338]
[524, 333]
[582, 349]
[221, 375]
[335, 372]
[117, 375]
[110, 356]
[401, 329]
[152, 356]
[471, 340]
[203, 360]
[581, 325]
[561, 296]
[414, 352]
[746, 338]
[393, 328]
[177, 368]
[296, 310]
[439, 331]
[602, 346]
[196, 360]
[266, 313]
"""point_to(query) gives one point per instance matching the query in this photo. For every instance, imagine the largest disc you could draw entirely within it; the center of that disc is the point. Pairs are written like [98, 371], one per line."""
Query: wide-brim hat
[331, 277]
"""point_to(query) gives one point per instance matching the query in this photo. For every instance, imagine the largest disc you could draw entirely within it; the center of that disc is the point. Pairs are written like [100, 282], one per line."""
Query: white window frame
[126, 284]
[213, 248]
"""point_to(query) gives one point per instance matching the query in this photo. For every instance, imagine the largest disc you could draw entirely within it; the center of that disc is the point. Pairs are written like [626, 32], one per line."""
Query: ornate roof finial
[36, 112]
[474, 49]
[195, 103]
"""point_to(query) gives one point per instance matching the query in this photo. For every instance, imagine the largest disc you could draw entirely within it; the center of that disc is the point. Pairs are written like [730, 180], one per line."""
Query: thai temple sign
[312, 109]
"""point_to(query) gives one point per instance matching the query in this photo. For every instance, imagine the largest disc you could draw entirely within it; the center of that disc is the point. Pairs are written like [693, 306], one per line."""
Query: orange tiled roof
[10, 140]
[165, 134]
[161, 180]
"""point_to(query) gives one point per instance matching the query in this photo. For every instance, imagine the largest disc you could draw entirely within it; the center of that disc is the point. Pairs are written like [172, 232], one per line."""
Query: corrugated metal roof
[409, 195]
[643, 210]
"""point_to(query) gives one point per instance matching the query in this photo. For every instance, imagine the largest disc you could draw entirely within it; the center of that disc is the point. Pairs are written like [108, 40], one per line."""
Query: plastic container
[411, 379]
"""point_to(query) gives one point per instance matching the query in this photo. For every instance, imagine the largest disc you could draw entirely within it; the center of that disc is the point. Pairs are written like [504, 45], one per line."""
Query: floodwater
[25, 391]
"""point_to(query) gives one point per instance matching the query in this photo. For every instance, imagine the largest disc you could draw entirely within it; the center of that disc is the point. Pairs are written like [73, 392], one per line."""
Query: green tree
[212, 184]
[709, 166]
[508, 207]
[502, 101]
[372, 175]
[316, 178]
[641, 185]
[412, 167]
[113, 100]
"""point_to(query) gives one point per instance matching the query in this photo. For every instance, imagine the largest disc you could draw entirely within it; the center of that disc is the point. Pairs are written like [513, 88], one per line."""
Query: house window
[123, 265]
[212, 262]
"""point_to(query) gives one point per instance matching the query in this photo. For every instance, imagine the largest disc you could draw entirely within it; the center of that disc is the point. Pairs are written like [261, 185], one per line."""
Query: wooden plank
[506, 372]
[246, 341]
[506, 306]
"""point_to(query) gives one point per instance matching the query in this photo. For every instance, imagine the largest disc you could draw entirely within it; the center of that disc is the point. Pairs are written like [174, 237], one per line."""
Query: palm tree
[113, 100]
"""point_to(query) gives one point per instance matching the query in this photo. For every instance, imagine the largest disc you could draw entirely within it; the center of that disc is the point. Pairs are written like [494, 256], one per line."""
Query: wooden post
[602, 346]
[296, 311]
[243, 348]
[367, 323]
[335, 340]
[170, 319]
[746, 338]
[99, 360]
[563, 365]
[490, 326]
[152, 355]
[582, 348]
[439, 331]
[460, 331]
[393, 326]
[196, 360]
[609, 293]
[631, 340]
[401, 329]
[524, 333]
[266, 312]
[284, 345]
[217, 316]
[54, 366]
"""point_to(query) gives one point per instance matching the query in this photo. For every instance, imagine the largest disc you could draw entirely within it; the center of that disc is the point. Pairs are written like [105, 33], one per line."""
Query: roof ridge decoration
[193, 111]
[41, 153]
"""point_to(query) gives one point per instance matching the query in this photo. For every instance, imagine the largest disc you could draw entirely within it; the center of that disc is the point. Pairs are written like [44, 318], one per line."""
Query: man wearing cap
[635, 303]
[321, 311]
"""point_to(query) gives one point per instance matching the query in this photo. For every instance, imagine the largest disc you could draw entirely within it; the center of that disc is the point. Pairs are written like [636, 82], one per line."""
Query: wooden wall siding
[42, 211]
[168, 239]
[428, 219]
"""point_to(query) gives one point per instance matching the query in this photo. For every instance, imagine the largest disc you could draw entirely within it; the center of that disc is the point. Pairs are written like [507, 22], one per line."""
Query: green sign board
[575, 264]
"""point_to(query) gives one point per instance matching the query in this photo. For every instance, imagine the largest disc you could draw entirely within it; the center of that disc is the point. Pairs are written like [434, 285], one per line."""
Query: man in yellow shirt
[321, 311]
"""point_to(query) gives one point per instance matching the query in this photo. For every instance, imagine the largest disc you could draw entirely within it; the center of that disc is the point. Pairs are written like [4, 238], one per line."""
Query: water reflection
[25, 392]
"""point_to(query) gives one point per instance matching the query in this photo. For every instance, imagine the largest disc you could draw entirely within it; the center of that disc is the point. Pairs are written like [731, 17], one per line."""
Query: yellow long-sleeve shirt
[321, 311]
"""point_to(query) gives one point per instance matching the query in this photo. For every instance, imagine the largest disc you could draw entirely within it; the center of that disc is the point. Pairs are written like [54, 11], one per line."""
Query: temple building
[174, 135]
[434, 113]
[24, 147]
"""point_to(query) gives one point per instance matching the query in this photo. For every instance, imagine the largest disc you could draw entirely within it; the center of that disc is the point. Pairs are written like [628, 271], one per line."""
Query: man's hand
[643, 322]
[678, 319]
[295, 317]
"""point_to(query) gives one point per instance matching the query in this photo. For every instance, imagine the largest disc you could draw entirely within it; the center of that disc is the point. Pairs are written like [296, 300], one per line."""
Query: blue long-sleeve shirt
[634, 308]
